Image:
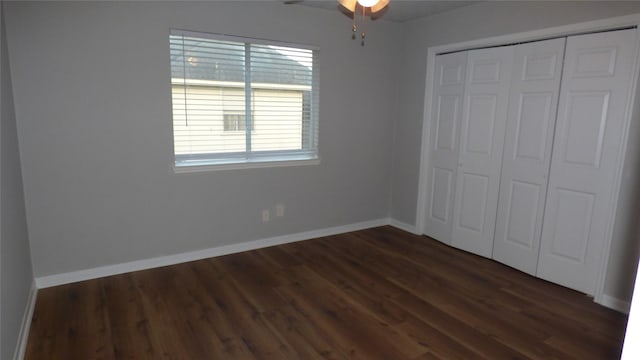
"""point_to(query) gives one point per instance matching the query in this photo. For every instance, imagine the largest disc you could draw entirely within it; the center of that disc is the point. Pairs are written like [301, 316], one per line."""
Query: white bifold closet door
[526, 143]
[486, 94]
[595, 92]
[448, 91]
[531, 118]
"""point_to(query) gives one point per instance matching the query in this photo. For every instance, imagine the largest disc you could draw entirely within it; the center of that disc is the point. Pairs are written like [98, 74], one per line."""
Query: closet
[525, 141]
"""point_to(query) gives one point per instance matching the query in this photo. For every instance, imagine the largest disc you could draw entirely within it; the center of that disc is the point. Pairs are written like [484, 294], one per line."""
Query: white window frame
[186, 163]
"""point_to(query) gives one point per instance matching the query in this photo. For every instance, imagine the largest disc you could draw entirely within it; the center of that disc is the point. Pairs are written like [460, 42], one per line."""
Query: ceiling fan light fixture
[368, 3]
[367, 8]
[376, 5]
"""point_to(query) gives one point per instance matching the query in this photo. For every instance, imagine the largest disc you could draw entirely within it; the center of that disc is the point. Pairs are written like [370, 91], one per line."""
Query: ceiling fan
[372, 8]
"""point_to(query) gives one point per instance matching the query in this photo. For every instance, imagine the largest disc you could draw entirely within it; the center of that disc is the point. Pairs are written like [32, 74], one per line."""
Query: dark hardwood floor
[374, 294]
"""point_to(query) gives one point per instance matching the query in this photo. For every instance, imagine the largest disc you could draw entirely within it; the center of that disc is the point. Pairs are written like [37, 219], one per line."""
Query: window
[217, 80]
[235, 121]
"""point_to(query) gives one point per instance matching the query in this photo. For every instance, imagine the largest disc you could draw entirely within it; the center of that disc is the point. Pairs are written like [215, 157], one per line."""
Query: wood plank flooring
[374, 294]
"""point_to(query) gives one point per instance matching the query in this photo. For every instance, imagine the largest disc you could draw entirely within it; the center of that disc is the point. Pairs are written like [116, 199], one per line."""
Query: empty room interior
[370, 179]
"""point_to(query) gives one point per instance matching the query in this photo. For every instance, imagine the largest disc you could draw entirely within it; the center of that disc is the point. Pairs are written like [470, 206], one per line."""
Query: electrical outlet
[265, 215]
[279, 210]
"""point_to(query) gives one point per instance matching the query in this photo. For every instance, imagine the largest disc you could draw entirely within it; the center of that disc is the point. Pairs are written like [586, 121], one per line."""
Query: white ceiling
[400, 10]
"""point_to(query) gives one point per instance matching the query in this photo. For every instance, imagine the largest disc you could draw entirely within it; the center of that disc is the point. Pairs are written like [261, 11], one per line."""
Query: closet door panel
[481, 143]
[473, 197]
[593, 100]
[444, 142]
[531, 116]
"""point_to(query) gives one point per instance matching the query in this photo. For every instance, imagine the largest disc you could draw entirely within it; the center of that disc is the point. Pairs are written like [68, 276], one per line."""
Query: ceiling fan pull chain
[363, 32]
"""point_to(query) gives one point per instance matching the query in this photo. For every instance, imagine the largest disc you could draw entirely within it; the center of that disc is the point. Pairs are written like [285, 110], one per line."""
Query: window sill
[207, 166]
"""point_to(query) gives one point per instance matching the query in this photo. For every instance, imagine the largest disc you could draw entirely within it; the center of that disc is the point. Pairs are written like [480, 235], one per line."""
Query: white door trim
[565, 30]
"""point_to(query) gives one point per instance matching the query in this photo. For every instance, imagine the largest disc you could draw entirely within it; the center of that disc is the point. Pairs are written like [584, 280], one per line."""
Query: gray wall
[16, 275]
[476, 22]
[92, 97]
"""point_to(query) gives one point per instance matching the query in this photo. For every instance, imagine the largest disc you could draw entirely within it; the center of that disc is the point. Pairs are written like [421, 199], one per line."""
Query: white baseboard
[102, 271]
[615, 303]
[23, 336]
[404, 226]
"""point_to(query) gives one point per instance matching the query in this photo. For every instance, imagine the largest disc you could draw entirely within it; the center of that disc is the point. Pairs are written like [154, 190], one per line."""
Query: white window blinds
[241, 101]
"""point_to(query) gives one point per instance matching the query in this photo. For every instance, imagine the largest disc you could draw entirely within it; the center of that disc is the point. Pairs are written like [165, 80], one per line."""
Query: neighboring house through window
[234, 121]
[217, 80]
